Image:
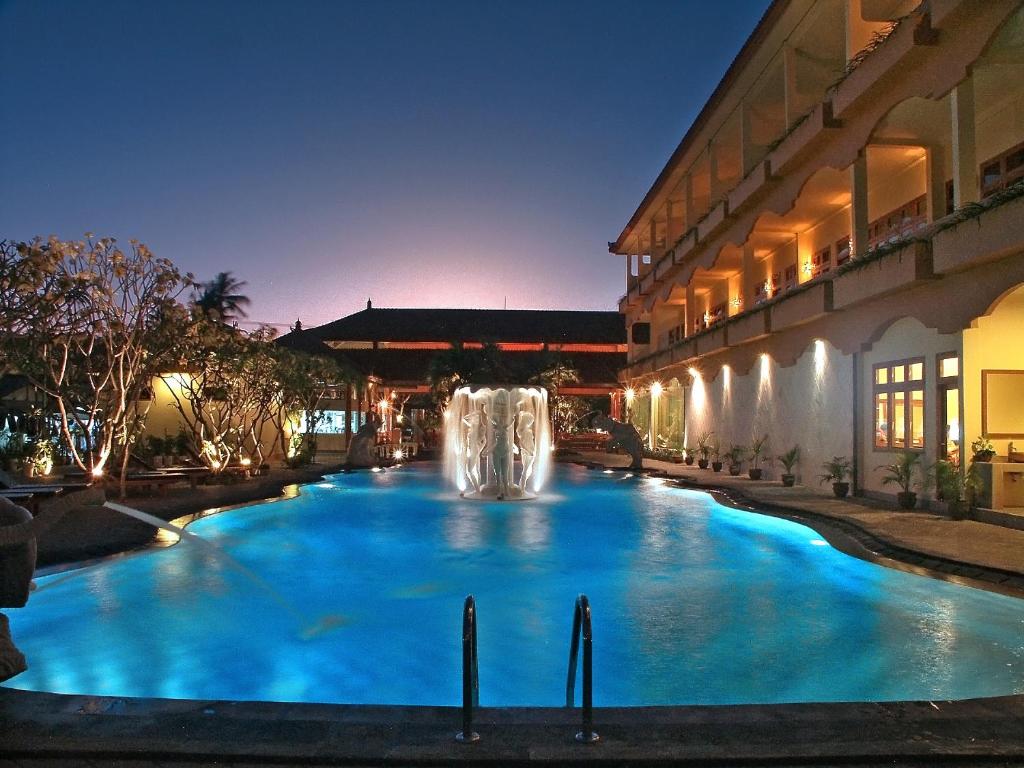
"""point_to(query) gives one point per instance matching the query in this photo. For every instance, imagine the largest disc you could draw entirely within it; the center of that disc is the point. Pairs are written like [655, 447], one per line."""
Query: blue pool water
[693, 602]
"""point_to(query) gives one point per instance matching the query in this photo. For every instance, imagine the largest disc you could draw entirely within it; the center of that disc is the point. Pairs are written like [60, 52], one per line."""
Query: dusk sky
[422, 154]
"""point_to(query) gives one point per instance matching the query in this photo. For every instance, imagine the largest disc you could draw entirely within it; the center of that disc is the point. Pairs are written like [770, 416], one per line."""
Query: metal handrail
[581, 625]
[470, 673]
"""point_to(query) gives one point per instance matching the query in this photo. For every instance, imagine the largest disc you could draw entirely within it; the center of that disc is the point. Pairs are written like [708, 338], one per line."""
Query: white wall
[806, 404]
[904, 339]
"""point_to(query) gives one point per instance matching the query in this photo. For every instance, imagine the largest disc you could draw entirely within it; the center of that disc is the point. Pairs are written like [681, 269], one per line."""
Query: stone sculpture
[362, 451]
[486, 428]
[621, 434]
[18, 532]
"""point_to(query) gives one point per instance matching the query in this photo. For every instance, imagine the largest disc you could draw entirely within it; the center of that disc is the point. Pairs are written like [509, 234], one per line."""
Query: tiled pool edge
[853, 539]
[54, 727]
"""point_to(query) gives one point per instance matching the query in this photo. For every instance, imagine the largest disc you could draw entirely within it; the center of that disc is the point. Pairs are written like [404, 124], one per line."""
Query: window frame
[907, 386]
[942, 385]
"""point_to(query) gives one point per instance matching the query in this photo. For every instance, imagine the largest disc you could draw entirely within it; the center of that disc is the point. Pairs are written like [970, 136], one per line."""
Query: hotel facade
[834, 254]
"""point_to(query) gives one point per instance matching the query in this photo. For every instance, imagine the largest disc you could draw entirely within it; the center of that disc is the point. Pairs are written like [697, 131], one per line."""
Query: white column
[747, 276]
[965, 159]
[936, 181]
[859, 204]
[691, 309]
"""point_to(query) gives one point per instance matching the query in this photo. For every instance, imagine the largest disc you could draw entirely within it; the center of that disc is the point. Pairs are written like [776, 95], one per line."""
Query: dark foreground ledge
[37, 728]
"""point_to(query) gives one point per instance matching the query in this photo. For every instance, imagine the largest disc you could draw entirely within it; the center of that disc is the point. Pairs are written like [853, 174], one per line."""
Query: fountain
[486, 429]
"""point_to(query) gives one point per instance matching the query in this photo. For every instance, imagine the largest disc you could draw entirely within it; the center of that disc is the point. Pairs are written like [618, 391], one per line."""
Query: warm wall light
[383, 405]
[726, 376]
[694, 372]
[399, 454]
[656, 389]
[766, 369]
[820, 358]
[630, 394]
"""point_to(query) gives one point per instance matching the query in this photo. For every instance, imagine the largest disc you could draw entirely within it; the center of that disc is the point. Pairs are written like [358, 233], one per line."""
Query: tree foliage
[92, 324]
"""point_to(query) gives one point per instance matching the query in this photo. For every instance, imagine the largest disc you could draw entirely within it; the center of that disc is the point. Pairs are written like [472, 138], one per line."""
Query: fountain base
[490, 493]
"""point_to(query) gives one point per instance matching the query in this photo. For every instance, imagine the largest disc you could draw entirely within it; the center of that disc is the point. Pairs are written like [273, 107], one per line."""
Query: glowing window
[949, 366]
[916, 414]
[899, 373]
[882, 420]
[881, 375]
[899, 419]
[916, 371]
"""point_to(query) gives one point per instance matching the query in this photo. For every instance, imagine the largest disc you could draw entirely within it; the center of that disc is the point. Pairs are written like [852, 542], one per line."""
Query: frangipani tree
[96, 323]
[224, 389]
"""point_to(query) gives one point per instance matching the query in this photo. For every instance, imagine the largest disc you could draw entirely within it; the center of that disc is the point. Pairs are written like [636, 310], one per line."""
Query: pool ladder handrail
[470, 673]
[581, 625]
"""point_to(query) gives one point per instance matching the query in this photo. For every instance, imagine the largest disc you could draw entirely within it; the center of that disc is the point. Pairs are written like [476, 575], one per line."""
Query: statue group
[486, 430]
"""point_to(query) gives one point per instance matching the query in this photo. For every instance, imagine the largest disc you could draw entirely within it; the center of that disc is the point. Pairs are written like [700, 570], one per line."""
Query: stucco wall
[994, 342]
[903, 339]
[805, 404]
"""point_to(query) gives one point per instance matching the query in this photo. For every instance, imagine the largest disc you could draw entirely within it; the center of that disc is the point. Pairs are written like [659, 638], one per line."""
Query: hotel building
[834, 253]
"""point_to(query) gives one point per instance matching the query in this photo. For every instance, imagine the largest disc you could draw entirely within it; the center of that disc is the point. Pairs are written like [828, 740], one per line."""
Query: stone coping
[75, 729]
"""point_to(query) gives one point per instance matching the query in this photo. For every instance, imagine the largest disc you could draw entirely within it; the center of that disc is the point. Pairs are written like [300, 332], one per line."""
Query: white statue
[527, 446]
[501, 449]
[474, 441]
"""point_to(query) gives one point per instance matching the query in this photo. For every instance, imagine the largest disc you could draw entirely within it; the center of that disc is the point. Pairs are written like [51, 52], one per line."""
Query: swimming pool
[694, 602]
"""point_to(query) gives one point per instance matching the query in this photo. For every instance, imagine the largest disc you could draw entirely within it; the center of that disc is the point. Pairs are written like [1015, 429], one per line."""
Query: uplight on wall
[726, 376]
[656, 389]
[820, 358]
[766, 367]
[698, 395]
[630, 395]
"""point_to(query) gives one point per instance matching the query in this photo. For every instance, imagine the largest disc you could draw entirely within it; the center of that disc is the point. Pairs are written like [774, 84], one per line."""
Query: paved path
[964, 542]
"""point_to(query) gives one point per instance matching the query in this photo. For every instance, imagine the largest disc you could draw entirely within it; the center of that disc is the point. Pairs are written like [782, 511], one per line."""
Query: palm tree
[221, 300]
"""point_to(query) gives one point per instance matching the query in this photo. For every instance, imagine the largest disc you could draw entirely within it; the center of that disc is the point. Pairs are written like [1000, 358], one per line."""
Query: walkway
[920, 539]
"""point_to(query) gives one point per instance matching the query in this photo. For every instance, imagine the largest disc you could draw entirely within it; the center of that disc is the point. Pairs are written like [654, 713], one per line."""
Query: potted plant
[982, 449]
[956, 487]
[688, 457]
[757, 448]
[716, 456]
[154, 450]
[836, 472]
[704, 449]
[789, 460]
[902, 472]
[735, 456]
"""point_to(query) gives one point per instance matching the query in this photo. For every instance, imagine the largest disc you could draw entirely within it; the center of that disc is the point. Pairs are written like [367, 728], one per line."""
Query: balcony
[799, 139]
[749, 326]
[751, 186]
[712, 340]
[804, 305]
[875, 276]
[713, 220]
[686, 244]
[993, 234]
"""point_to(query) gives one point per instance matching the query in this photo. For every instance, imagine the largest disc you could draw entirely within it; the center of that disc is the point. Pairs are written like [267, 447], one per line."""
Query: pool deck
[967, 551]
[40, 729]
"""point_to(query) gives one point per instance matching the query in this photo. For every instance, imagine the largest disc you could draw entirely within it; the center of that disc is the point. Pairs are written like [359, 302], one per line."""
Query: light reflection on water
[693, 603]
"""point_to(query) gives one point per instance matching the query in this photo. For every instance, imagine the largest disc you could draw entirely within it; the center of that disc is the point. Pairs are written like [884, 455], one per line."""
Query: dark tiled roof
[514, 325]
[413, 365]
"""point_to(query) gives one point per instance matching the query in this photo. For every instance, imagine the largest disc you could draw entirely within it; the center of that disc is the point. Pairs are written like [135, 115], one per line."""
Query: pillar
[747, 277]
[859, 204]
[691, 213]
[965, 159]
[747, 148]
[348, 415]
[691, 308]
[790, 96]
[936, 181]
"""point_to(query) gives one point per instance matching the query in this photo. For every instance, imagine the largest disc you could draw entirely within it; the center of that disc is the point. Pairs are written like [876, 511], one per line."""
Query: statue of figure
[362, 450]
[475, 441]
[623, 435]
[527, 446]
[18, 532]
[502, 420]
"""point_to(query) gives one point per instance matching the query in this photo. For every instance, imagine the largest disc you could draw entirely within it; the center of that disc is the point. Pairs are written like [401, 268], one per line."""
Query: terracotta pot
[840, 490]
[716, 465]
[788, 480]
[734, 470]
[755, 474]
[702, 463]
[906, 499]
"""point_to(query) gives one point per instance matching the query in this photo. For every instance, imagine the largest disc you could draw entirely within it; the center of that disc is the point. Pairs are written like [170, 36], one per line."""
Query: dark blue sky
[419, 153]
